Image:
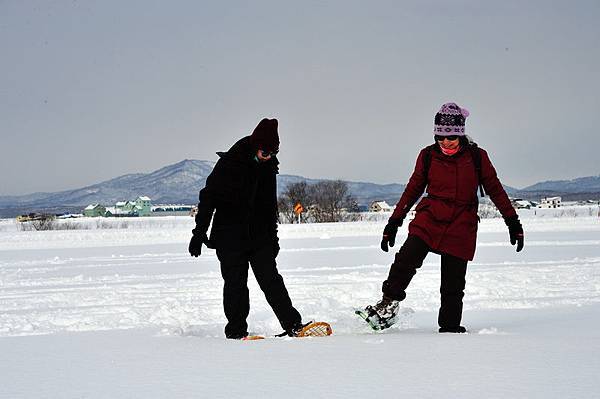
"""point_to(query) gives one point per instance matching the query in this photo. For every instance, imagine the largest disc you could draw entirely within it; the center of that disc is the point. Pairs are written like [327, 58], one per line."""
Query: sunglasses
[266, 154]
[442, 138]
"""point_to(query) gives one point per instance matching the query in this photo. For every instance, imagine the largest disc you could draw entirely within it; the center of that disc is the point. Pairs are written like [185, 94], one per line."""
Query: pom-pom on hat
[450, 120]
[265, 136]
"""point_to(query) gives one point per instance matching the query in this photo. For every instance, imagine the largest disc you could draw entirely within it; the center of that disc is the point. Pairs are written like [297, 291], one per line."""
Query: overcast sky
[93, 90]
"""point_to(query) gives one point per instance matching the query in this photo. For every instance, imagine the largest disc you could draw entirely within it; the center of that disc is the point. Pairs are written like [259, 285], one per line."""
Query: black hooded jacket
[242, 193]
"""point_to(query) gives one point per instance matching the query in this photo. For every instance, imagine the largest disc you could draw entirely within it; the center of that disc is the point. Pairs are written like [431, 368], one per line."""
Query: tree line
[324, 201]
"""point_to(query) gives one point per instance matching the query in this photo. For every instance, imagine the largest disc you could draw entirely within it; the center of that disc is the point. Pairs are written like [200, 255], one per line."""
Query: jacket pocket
[442, 211]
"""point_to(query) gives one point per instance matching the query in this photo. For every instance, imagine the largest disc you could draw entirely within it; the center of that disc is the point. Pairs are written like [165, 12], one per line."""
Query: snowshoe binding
[310, 329]
[381, 316]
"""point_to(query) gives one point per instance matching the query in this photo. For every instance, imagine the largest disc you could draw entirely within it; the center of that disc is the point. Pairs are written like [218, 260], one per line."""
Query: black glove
[196, 242]
[276, 247]
[515, 230]
[389, 233]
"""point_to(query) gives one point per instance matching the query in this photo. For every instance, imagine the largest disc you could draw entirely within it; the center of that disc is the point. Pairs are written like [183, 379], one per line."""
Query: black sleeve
[275, 208]
[206, 204]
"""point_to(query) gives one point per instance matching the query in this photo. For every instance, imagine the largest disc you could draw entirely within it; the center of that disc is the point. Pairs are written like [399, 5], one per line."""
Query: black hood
[243, 151]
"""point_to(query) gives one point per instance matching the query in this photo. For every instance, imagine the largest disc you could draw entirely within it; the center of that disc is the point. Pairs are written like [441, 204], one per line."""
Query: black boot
[382, 315]
[459, 330]
[294, 330]
[385, 309]
[236, 335]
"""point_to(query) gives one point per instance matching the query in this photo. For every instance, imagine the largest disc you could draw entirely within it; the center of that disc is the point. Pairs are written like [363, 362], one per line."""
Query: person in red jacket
[450, 171]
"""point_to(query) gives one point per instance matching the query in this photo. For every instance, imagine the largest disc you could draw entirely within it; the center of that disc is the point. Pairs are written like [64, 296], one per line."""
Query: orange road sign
[298, 208]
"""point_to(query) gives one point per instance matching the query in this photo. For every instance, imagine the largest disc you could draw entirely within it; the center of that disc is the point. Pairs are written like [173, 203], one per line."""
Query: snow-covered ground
[128, 313]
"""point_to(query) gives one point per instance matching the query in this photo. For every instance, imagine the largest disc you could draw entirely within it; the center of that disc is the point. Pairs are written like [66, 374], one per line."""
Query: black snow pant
[236, 300]
[409, 259]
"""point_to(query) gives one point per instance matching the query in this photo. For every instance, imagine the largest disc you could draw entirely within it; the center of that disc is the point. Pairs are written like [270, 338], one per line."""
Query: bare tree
[44, 222]
[294, 193]
[285, 213]
[331, 200]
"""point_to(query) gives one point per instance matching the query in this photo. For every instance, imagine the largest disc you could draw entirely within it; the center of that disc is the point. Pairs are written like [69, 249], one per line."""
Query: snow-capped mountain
[177, 183]
[180, 182]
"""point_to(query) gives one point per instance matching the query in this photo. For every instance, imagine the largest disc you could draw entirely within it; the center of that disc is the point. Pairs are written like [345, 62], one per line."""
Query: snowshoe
[315, 329]
[253, 337]
[310, 329]
[381, 316]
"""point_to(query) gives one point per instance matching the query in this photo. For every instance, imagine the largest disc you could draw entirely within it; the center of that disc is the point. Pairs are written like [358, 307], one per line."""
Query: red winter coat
[447, 218]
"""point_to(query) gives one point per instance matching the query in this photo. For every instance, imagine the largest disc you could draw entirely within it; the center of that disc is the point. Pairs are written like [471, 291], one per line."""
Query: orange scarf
[449, 152]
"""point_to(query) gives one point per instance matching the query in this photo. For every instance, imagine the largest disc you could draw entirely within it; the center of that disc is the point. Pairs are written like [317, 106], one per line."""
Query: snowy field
[127, 313]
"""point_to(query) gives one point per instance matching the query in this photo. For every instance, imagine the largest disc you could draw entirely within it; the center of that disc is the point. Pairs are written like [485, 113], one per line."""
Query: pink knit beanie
[450, 120]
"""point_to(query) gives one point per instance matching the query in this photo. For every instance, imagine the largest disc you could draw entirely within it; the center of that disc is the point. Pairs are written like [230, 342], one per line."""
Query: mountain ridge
[181, 181]
[577, 185]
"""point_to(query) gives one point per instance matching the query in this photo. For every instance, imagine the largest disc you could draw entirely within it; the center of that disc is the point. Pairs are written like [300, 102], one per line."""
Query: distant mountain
[180, 182]
[580, 185]
[177, 183]
[582, 188]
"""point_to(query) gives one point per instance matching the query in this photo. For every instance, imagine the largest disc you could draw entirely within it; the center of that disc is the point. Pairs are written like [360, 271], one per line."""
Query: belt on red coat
[452, 200]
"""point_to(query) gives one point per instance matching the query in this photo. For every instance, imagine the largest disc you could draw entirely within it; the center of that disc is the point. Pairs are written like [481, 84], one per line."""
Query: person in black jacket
[242, 192]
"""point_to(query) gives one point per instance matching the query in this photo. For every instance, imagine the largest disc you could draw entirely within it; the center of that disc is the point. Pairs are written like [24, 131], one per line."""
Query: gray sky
[93, 90]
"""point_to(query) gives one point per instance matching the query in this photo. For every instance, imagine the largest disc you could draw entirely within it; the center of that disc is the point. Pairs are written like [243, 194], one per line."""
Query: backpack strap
[427, 159]
[476, 156]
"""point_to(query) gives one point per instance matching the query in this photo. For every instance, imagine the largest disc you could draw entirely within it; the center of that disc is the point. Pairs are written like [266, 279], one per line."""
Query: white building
[550, 202]
[380, 206]
[519, 203]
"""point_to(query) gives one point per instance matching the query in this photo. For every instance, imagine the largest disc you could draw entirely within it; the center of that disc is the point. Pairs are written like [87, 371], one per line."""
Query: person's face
[264, 156]
[448, 142]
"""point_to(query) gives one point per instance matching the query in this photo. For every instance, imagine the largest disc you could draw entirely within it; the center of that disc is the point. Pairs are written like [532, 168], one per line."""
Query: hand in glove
[389, 233]
[196, 242]
[515, 230]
